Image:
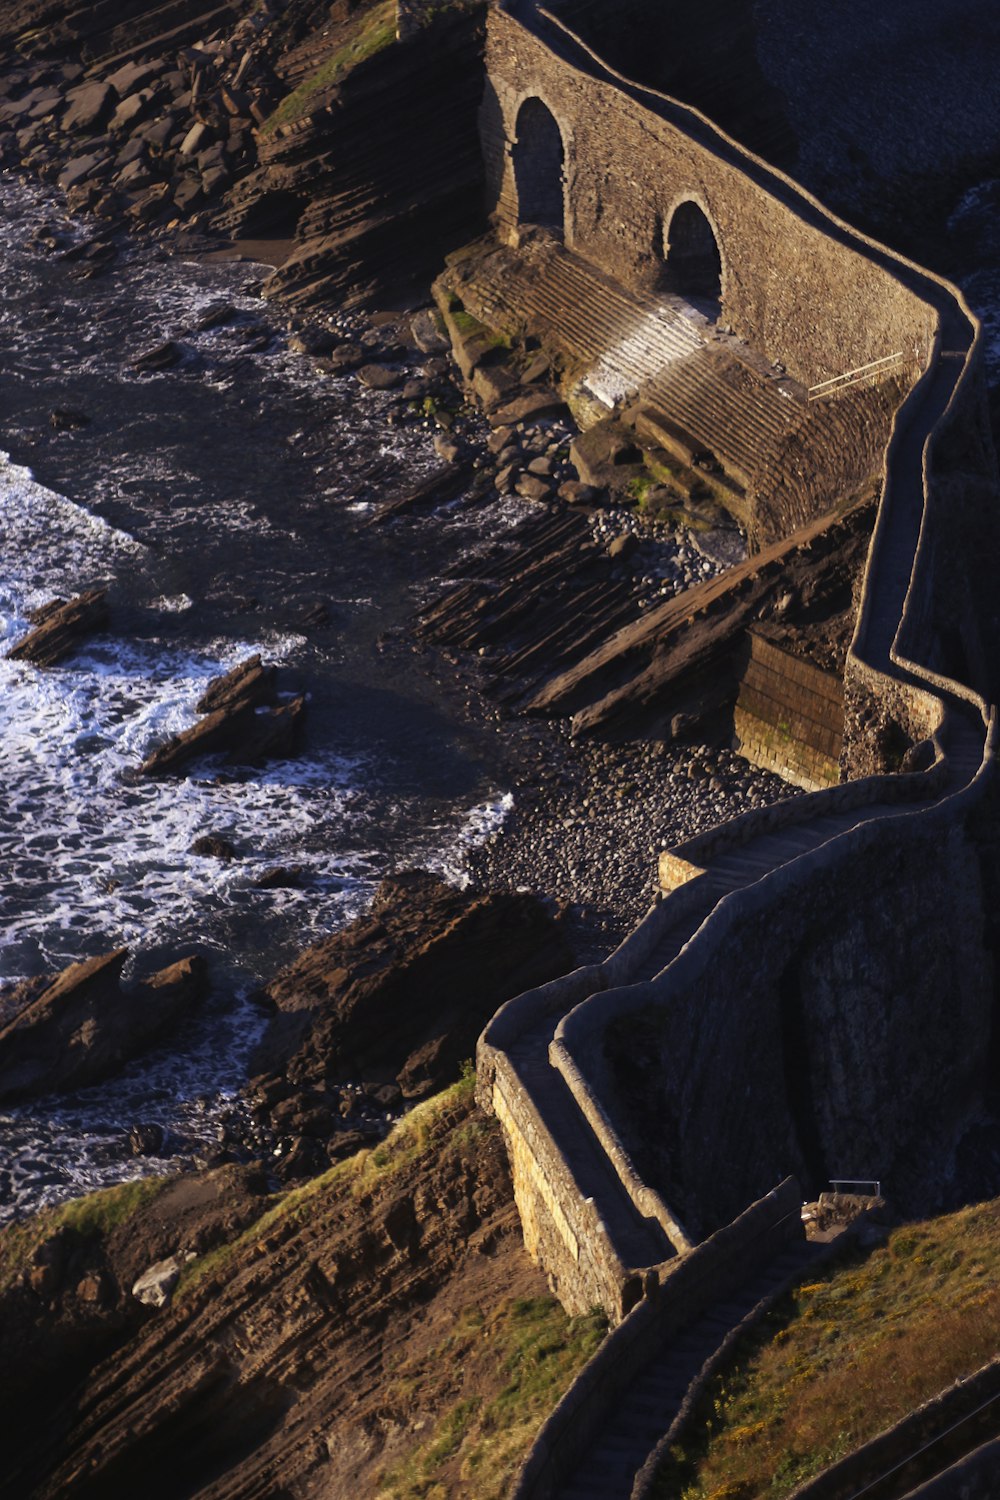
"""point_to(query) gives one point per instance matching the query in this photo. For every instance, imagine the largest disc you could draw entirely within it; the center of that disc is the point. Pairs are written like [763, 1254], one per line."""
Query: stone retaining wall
[961, 1403]
[789, 716]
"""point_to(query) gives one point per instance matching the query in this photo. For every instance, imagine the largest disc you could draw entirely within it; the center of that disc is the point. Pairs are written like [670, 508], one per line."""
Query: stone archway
[692, 260]
[538, 157]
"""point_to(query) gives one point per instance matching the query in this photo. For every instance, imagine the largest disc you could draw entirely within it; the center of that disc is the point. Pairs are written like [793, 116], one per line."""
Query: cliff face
[381, 205]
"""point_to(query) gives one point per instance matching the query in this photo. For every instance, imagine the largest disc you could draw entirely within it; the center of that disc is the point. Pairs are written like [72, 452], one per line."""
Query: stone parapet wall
[563, 1232]
[695, 855]
[814, 303]
[789, 716]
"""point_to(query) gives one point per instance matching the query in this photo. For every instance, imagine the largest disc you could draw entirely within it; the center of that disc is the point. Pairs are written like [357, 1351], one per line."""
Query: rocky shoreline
[587, 820]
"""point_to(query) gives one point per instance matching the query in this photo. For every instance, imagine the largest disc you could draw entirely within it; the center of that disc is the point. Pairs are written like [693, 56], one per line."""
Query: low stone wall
[789, 716]
[686, 860]
[708, 1274]
[970, 1406]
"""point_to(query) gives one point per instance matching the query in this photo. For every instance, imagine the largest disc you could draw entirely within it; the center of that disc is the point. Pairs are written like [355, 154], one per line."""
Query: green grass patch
[91, 1217]
[842, 1358]
[373, 30]
[509, 1366]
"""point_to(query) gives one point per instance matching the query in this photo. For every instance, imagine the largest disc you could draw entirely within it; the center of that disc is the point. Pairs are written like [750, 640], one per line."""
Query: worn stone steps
[644, 1413]
[625, 347]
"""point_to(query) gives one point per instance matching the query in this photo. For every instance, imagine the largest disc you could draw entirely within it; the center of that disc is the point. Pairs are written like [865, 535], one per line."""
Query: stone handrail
[709, 1272]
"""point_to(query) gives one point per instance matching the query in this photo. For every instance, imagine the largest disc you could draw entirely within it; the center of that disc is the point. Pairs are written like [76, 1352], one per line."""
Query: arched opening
[538, 167]
[692, 260]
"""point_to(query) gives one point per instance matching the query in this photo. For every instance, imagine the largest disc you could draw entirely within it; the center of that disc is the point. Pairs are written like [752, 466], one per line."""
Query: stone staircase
[648, 1408]
[654, 356]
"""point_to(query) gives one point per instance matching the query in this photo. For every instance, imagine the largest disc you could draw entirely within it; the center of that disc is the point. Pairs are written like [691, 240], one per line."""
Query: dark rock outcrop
[236, 722]
[83, 1026]
[404, 991]
[59, 627]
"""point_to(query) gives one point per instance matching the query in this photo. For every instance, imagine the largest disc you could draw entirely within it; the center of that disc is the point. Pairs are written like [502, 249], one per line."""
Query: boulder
[530, 408]
[132, 110]
[196, 139]
[284, 877]
[89, 106]
[67, 419]
[155, 1286]
[80, 169]
[530, 487]
[427, 332]
[213, 846]
[380, 377]
[163, 357]
[215, 734]
[59, 627]
[135, 75]
[83, 1026]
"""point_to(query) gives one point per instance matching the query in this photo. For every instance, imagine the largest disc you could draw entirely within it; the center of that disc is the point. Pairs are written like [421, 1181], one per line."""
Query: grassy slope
[92, 1217]
[486, 1388]
[841, 1359]
[370, 30]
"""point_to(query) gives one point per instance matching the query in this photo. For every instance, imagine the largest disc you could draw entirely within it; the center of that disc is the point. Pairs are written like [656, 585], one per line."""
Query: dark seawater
[220, 502]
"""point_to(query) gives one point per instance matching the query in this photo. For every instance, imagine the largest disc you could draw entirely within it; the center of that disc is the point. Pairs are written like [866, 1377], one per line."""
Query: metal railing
[872, 371]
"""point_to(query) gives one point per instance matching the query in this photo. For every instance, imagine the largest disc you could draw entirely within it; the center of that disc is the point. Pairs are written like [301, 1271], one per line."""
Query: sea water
[220, 503]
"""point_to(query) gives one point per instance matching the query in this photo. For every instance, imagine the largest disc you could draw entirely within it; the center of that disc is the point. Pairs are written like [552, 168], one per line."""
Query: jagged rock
[163, 357]
[60, 626]
[576, 493]
[215, 315]
[406, 989]
[131, 110]
[380, 377]
[83, 1026]
[197, 138]
[213, 846]
[188, 194]
[218, 732]
[284, 877]
[80, 169]
[147, 1139]
[249, 682]
[529, 408]
[274, 735]
[530, 487]
[135, 75]
[427, 334]
[313, 341]
[67, 419]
